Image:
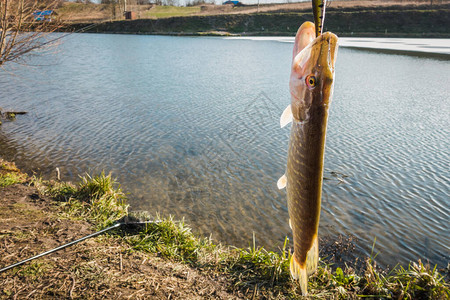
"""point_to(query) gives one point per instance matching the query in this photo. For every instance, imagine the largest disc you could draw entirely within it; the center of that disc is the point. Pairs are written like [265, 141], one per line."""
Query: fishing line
[117, 225]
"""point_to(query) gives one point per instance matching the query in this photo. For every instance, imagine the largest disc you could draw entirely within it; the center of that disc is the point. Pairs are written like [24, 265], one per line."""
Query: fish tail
[302, 272]
[298, 272]
[312, 258]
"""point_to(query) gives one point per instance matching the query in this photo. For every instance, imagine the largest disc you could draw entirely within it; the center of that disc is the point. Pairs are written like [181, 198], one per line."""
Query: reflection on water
[190, 127]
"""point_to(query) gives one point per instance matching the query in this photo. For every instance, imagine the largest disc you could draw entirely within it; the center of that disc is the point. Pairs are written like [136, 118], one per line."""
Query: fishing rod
[127, 220]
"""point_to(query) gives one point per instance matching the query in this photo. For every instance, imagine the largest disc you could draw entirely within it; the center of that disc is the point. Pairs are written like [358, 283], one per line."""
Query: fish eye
[310, 81]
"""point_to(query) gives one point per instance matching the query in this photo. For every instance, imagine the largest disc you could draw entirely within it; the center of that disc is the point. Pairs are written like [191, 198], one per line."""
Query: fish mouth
[327, 45]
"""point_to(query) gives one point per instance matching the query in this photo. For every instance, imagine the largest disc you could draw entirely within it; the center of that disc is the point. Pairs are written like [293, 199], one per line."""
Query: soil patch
[163, 259]
[102, 267]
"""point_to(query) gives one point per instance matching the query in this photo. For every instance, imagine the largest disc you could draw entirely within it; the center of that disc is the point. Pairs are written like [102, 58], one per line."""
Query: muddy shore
[37, 215]
[31, 223]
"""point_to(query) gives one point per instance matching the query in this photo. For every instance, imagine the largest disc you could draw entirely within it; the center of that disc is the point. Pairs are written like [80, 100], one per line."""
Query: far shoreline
[394, 21]
[215, 33]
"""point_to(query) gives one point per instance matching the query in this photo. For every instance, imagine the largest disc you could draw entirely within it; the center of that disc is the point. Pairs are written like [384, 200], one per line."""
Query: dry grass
[163, 259]
[157, 12]
[79, 12]
[10, 174]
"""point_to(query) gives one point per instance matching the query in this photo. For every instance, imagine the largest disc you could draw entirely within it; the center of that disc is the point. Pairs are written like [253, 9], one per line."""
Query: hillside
[345, 18]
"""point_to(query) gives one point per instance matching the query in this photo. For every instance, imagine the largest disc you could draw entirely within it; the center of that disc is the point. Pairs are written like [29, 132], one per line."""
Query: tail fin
[299, 272]
[302, 273]
[312, 258]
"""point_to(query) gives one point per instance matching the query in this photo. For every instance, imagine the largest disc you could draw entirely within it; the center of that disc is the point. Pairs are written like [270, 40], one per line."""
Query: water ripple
[194, 133]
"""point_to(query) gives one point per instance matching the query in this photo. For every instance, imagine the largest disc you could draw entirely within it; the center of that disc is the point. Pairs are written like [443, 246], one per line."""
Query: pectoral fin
[286, 116]
[281, 183]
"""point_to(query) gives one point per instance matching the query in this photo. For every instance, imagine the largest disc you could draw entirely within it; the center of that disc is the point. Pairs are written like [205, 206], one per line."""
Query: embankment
[394, 21]
[162, 259]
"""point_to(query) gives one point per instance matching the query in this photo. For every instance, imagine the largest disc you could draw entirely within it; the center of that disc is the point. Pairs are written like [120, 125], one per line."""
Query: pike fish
[311, 88]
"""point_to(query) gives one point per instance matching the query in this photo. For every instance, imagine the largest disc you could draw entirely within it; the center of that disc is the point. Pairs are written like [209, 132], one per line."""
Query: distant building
[130, 15]
[233, 2]
[43, 15]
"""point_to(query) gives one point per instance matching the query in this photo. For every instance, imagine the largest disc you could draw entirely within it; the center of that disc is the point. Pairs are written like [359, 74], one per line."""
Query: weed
[98, 199]
[419, 282]
[11, 178]
[34, 270]
[10, 174]
[267, 272]
[256, 263]
[170, 239]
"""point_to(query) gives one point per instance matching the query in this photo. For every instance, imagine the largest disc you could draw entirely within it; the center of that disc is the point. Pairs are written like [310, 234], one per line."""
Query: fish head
[312, 74]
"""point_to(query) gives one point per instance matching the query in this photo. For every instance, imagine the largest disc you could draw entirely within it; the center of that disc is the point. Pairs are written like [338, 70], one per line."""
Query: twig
[71, 289]
[32, 292]
[15, 112]
[255, 292]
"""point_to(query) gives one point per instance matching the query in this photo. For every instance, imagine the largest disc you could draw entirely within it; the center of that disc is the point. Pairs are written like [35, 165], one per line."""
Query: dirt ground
[104, 266]
[101, 267]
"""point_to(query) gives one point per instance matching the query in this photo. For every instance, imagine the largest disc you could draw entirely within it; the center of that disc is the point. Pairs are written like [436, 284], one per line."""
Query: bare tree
[170, 2]
[24, 26]
[120, 5]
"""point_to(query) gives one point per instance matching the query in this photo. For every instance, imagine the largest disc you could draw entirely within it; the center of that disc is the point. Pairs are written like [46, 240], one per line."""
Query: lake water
[190, 127]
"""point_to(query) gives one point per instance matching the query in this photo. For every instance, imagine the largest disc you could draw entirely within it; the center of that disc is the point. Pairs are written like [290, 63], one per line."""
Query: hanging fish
[311, 88]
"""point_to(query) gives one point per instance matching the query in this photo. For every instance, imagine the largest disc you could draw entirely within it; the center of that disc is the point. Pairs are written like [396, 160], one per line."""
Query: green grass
[100, 200]
[9, 174]
[419, 281]
[170, 11]
[268, 272]
[11, 178]
[35, 270]
[172, 240]
[266, 266]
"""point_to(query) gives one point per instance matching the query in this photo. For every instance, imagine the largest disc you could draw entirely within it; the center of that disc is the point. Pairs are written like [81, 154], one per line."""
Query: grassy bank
[376, 21]
[124, 262]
